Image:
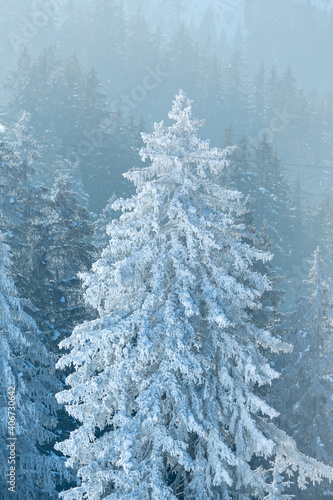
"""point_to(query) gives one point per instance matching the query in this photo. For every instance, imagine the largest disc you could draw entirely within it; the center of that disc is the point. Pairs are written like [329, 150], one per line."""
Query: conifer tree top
[177, 147]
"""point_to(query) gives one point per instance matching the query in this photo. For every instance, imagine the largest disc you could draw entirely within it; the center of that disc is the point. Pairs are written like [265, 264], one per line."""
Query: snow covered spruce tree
[164, 382]
[27, 379]
[67, 251]
[304, 392]
[23, 205]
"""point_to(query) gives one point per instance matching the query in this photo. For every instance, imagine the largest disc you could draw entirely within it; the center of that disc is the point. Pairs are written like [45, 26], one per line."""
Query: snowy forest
[166, 250]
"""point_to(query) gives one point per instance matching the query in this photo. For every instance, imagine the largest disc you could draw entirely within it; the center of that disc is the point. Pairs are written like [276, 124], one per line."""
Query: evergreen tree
[269, 197]
[207, 34]
[101, 237]
[183, 56]
[49, 234]
[211, 97]
[18, 79]
[322, 230]
[106, 26]
[68, 252]
[289, 118]
[113, 151]
[164, 382]
[139, 50]
[236, 94]
[28, 380]
[305, 387]
[259, 95]
[239, 174]
[23, 204]
[301, 219]
[66, 105]
[258, 101]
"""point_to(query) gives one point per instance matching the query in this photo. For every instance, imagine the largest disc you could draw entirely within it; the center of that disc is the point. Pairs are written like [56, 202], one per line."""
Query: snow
[164, 340]
[24, 359]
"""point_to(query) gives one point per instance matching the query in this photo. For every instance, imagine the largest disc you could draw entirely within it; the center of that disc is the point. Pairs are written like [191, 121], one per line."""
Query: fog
[225, 55]
[89, 76]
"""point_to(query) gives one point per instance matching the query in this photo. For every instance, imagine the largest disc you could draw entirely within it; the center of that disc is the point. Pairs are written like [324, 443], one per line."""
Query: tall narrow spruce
[165, 381]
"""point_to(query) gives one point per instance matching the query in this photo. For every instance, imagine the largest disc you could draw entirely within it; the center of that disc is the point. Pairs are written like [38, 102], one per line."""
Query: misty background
[93, 75]
[258, 67]
[81, 79]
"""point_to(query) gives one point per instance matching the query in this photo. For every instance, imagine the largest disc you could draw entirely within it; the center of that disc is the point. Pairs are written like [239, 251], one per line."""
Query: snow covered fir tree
[49, 232]
[27, 425]
[165, 382]
[197, 365]
[304, 392]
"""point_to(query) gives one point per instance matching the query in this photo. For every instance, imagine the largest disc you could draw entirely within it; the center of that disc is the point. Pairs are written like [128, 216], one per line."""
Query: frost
[25, 364]
[168, 373]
